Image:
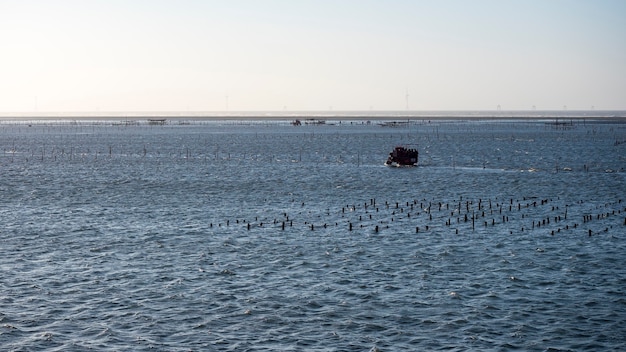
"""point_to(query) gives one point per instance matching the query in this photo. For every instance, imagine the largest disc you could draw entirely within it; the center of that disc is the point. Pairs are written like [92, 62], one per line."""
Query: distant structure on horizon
[406, 97]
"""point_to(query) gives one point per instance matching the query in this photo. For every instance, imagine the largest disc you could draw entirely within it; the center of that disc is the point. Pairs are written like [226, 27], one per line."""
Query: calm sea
[262, 236]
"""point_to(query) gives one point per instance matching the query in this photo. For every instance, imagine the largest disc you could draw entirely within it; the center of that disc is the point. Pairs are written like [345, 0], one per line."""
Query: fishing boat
[402, 156]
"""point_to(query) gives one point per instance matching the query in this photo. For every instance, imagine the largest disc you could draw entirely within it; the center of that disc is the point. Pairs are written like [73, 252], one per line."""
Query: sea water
[262, 236]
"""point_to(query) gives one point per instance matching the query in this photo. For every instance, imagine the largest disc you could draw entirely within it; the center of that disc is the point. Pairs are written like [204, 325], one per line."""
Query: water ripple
[276, 239]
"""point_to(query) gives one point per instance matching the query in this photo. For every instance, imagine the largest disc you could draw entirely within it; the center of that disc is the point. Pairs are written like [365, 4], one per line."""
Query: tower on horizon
[406, 98]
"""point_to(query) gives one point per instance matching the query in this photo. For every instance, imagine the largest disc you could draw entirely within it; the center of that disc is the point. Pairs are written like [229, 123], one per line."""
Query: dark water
[252, 236]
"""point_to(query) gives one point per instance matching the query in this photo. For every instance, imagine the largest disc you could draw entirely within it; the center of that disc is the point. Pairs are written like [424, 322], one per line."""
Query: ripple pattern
[264, 237]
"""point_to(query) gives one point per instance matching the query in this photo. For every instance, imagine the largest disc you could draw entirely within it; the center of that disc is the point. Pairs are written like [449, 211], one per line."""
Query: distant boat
[393, 123]
[156, 121]
[402, 156]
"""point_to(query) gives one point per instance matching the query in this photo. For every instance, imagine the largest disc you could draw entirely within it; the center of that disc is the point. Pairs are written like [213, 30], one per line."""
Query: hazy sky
[179, 55]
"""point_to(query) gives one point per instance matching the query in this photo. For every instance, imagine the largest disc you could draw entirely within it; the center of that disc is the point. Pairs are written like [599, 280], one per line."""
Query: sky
[311, 55]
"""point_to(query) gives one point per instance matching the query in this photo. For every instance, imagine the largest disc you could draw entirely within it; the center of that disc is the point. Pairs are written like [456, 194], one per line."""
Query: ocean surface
[262, 236]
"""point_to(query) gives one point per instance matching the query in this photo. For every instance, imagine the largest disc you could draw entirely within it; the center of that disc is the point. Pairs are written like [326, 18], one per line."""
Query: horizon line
[280, 112]
[311, 114]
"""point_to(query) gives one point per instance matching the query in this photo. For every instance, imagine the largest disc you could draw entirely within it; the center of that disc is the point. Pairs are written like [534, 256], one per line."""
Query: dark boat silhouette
[402, 156]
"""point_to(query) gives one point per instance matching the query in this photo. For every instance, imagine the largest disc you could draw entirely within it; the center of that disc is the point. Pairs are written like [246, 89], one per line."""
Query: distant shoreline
[588, 115]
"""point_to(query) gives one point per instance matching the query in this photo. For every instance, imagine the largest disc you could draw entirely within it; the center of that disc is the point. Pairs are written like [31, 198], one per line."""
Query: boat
[402, 156]
[156, 121]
